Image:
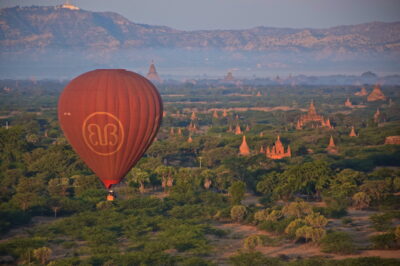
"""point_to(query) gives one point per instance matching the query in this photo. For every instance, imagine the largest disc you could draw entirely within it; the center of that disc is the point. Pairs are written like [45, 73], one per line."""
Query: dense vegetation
[170, 206]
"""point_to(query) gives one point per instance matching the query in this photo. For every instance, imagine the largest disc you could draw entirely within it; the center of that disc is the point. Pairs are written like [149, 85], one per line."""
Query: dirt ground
[359, 229]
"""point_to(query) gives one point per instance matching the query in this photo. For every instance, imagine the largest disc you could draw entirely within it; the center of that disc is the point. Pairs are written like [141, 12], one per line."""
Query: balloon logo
[104, 135]
[110, 117]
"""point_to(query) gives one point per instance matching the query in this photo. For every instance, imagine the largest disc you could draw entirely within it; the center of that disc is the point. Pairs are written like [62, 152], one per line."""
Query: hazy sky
[239, 14]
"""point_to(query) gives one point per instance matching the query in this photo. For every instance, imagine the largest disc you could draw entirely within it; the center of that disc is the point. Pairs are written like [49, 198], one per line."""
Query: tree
[316, 220]
[29, 192]
[42, 254]
[238, 212]
[237, 191]
[84, 183]
[208, 177]
[377, 189]
[297, 209]
[252, 241]
[140, 177]
[361, 200]
[268, 183]
[58, 187]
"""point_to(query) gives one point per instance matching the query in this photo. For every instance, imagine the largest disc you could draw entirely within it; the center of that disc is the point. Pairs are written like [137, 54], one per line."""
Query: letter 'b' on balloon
[110, 117]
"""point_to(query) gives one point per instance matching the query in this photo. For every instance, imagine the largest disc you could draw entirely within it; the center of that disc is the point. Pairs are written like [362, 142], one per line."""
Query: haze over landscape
[60, 42]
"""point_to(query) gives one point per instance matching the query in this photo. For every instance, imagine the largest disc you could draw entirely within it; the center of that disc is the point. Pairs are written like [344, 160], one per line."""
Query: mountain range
[53, 32]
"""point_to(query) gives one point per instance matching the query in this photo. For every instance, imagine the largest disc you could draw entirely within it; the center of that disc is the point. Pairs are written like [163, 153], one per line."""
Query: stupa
[171, 131]
[259, 94]
[215, 114]
[192, 127]
[332, 147]
[348, 103]
[376, 95]
[152, 74]
[193, 116]
[352, 132]
[225, 113]
[278, 150]
[229, 77]
[262, 149]
[238, 131]
[244, 148]
[313, 117]
[190, 140]
[377, 116]
[362, 92]
[247, 128]
[229, 129]
[179, 132]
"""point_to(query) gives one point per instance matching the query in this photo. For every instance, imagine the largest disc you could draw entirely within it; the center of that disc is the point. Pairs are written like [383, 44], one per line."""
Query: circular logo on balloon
[103, 133]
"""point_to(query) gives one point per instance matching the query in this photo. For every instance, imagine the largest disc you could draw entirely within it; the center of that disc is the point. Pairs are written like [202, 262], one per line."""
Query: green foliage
[382, 222]
[18, 246]
[237, 191]
[238, 213]
[384, 241]
[254, 259]
[252, 241]
[338, 243]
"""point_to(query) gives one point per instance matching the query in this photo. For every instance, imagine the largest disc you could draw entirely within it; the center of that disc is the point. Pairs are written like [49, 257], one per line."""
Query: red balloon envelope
[110, 117]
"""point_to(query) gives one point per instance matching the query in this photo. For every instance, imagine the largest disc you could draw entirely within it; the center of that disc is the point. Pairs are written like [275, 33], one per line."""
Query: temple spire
[152, 74]
[244, 148]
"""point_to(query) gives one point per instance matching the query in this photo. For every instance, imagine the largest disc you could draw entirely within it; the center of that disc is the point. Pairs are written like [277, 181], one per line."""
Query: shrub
[338, 243]
[253, 241]
[238, 213]
[384, 241]
[381, 222]
[254, 259]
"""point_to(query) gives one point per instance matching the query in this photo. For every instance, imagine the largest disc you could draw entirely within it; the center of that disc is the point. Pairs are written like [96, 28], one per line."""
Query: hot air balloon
[110, 117]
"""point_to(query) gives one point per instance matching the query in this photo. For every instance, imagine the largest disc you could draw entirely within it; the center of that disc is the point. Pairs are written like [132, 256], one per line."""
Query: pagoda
[362, 92]
[225, 113]
[215, 114]
[244, 148]
[247, 128]
[313, 117]
[259, 94]
[352, 132]
[278, 150]
[377, 115]
[376, 95]
[190, 140]
[193, 116]
[262, 149]
[192, 127]
[179, 132]
[348, 103]
[152, 74]
[229, 77]
[171, 131]
[332, 147]
[238, 131]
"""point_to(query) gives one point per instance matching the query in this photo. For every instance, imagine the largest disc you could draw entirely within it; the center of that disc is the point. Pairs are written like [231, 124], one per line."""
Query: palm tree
[140, 177]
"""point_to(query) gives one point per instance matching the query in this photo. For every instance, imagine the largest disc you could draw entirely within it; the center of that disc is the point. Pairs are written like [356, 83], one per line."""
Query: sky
[238, 14]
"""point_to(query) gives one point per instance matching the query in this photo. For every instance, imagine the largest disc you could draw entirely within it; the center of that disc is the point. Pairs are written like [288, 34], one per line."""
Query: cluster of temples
[276, 152]
[313, 118]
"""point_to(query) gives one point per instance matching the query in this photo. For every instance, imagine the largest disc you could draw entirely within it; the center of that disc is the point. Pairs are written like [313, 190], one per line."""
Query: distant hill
[40, 37]
[28, 27]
